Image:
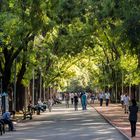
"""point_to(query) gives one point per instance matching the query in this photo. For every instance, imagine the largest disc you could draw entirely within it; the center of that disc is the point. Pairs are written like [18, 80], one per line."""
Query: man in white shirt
[122, 100]
[126, 103]
[50, 104]
[40, 102]
[40, 105]
[107, 98]
[101, 96]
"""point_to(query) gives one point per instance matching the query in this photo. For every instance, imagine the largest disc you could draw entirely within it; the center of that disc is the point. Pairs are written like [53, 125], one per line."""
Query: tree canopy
[76, 44]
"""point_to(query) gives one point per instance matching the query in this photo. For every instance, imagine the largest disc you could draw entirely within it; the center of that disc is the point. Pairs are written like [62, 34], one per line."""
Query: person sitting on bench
[40, 105]
[6, 117]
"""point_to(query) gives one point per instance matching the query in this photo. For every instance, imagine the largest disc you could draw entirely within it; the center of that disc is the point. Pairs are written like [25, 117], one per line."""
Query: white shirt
[50, 102]
[101, 96]
[40, 103]
[122, 97]
[126, 100]
[71, 95]
[107, 95]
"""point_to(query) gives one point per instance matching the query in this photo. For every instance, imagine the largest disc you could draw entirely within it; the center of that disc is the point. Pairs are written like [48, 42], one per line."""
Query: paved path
[65, 124]
[115, 115]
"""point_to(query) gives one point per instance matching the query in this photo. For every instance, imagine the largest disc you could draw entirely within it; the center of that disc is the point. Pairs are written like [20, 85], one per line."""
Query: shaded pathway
[116, 116]
[66, 124]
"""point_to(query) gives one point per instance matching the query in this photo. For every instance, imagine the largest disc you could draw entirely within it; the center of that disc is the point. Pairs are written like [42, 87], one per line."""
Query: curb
[112, 124]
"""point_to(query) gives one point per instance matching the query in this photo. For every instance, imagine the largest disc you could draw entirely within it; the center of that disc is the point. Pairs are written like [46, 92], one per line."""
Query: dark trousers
[76, 106]
[133, 128]
[107, 102]
[67, 103]
[72, 101]
[101, 102]
[2, 125]
[10, 124]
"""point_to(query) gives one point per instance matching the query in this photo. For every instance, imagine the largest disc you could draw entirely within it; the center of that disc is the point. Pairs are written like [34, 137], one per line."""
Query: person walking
[75, 99]
[101, 96]
[133, 109]
[122, 100]
[92, 97]
[71, 97]
[126, 103]
[67, 98]
[107, 98]
[50, 104]
[84, 101]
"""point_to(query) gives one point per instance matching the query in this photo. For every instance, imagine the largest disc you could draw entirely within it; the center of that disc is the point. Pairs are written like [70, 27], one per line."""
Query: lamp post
[40, 83]
[44, 94]
[33, 87]
[1, 90]
[15, 79]
[122, 80]
[0, 82]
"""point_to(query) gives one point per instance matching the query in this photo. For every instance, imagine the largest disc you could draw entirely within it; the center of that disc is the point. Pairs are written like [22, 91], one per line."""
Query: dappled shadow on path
[116, 116]
[66, 124]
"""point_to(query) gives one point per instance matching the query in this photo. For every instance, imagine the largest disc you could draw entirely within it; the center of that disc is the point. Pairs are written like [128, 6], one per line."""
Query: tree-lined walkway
[67, 44]
[65, 124]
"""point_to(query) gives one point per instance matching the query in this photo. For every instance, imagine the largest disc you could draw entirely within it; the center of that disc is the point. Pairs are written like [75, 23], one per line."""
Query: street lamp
[1, 90]
[40, 84]
[122, 79]
[1, 82]
[15, 80]
[33, 87]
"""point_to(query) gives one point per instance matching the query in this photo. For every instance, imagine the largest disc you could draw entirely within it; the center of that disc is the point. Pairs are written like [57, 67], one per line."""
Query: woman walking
[75, 102]
[133, 117]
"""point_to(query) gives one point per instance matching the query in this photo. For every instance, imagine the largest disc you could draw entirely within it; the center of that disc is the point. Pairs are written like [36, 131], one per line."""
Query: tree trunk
[20, 97]
[139, 92]
[6, 78]
[20, 89]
